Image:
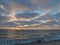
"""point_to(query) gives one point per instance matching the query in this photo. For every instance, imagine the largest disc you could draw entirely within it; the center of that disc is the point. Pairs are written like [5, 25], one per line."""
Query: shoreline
[43, 43]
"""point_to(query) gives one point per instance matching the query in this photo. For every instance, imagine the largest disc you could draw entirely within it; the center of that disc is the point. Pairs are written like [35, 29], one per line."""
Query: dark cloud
[8, 24]
[2, 11]
[26, 22]
[51, 23]
[56, 16]
[3, 19]
[26, 15]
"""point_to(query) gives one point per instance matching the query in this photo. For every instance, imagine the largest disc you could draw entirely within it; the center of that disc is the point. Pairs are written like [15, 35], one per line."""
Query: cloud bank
[30, 13]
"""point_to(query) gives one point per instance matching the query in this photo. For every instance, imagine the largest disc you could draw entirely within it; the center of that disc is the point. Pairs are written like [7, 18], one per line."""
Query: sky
[30, 13]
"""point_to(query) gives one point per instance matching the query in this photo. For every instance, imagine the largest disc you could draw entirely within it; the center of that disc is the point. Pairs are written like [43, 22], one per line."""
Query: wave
[30, 40]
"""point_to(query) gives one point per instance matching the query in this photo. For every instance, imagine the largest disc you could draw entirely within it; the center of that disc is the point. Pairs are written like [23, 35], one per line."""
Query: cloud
[8, 24]
[2, 9]
[5, 3]
[3, 19]
[26, 15]
[15, 13]
[51, 23]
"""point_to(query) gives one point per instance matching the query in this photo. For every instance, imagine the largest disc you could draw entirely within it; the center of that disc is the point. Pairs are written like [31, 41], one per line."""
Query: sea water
[11, 37]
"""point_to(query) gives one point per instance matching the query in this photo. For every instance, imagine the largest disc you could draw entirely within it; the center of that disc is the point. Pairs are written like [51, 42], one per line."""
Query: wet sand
[45, 43]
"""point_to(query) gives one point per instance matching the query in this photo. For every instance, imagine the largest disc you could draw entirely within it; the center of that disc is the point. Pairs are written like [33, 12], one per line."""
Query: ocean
[10, 37]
